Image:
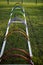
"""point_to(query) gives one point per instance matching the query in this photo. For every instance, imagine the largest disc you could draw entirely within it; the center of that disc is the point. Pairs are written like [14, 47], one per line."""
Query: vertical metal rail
[4, 42]
[29, 46]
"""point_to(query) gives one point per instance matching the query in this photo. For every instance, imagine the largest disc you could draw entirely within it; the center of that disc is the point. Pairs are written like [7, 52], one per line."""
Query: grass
[36, 29]
[34, 16]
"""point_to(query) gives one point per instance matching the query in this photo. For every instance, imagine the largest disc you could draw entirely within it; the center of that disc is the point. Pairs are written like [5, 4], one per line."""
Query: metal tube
[29, 46]
[4, 42]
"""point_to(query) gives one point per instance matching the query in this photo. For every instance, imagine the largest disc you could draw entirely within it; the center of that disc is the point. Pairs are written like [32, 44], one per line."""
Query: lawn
[34, 16]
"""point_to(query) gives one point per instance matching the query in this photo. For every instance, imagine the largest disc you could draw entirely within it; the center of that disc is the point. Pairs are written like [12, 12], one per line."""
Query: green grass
[36, 32]
[34, 16]
[24, 1]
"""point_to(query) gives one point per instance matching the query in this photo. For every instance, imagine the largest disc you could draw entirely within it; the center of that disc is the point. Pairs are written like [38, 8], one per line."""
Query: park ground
[34, 16]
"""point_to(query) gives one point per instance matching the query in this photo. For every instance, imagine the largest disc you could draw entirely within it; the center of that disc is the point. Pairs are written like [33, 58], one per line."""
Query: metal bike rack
[17, 20]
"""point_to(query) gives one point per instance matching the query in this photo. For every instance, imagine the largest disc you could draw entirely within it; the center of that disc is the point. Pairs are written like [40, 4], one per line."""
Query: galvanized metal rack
[17, 19]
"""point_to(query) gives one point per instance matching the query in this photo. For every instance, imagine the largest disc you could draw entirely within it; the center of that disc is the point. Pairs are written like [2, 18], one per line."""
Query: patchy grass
[34, 16]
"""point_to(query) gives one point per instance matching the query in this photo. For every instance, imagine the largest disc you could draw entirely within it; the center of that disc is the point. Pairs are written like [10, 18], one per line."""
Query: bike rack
[26, 35]
[8, 54]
